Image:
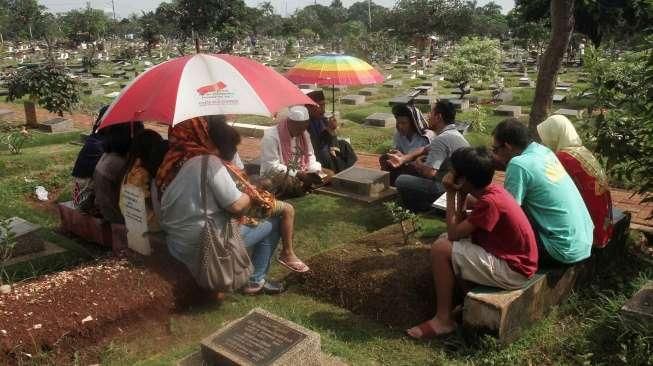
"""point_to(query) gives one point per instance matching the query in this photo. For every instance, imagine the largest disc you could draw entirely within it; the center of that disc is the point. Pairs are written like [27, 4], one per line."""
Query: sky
[126, 7]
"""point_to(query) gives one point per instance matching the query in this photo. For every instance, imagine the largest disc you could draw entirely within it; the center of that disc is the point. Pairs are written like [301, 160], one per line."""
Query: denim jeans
[417, 193]
[261, 241]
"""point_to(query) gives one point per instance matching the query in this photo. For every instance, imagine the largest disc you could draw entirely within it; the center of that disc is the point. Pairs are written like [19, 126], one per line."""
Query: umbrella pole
[333, 99]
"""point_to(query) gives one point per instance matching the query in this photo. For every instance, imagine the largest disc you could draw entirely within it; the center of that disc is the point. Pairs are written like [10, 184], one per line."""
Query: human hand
[395, 160]
[449, 182]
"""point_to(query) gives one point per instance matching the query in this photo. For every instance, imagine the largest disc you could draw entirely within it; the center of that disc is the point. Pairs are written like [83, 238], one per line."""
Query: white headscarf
[558, 133]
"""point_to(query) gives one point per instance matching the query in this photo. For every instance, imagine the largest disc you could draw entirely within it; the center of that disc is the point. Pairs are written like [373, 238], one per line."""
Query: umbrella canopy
[334, 69]
[203, 85]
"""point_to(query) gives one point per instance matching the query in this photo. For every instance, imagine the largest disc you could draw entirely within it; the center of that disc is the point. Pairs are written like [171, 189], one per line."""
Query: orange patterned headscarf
[187, 140]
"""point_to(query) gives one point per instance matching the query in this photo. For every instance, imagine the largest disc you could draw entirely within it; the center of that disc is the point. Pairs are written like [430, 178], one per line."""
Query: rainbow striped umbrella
[334, 69]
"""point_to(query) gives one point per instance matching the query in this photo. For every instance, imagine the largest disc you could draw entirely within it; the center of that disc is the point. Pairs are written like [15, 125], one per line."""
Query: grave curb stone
[57, 125]
[305, 352]
[353, 99]
[381, 119]
[508, 110]
[639, 308]
[27, 242]
[368, 91]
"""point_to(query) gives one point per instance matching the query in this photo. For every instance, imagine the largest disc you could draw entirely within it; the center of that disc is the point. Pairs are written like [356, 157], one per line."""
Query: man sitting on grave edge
[493, 246]
[334, 154]
[411, 140]
[287, 158]
[418, 192]
[540, 184]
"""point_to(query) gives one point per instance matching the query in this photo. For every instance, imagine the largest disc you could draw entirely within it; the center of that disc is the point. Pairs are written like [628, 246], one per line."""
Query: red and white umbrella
[203, 85]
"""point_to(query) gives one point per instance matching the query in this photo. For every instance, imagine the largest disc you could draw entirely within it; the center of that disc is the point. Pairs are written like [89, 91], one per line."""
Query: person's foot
[264, 287]
[432, 328]
[293, 263]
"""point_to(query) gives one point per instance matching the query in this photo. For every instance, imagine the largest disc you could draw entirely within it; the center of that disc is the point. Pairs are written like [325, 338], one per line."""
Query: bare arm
[240, 206]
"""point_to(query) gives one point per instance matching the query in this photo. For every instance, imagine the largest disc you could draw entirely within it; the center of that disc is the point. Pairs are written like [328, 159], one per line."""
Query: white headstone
[132, 199]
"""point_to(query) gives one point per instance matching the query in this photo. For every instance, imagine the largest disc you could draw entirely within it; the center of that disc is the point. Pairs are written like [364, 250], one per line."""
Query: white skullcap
[298, 113]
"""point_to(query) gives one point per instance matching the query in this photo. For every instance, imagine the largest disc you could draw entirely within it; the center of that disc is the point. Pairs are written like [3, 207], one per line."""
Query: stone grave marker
[525, 82]
[508, 110]
[460, 104]
[639, 308]
[402, 99]
[431, 83]
[27, 242]
[109, 83]
[424, 89]
[361, 184]
[353, 99]
[112, 94]
[259, 338]
[368, 91]
[423, 99]
[385, 120]
[94, 91]
[570, 112]
[6, 114]
[559, 98]
[562, 88]
[132, 204]
[392, 84]
[57, 125]
[458, 91]
[504, 96]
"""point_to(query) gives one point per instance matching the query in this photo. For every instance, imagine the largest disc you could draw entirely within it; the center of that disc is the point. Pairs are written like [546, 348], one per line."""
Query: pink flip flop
[295, 266]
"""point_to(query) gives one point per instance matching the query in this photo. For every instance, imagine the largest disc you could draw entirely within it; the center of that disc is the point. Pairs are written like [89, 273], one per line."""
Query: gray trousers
[417, 193]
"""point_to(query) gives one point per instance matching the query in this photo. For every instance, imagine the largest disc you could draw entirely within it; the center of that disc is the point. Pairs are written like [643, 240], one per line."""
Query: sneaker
[273, 288]
[253, 288]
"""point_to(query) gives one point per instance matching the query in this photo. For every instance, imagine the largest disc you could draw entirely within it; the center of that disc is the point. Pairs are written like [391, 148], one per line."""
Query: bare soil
[376, 276]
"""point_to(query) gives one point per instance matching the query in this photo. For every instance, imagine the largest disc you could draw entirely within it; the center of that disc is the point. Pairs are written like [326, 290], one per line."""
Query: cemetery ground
[361, 323]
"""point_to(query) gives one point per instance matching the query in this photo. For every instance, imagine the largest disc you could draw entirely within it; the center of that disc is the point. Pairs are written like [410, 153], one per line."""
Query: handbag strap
[204, 184]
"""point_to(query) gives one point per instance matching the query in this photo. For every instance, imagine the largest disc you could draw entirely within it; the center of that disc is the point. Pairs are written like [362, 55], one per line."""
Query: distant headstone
[525, 82]
[570, 112]
[559, 98]
[564, 85]
[424, 89]
[94, 91]
[508, 110]
[27, 242]
[261, 338]
[368, 91]
[505, 96]
[57, 125]
[381, 120]
[460, 104]
[392, 84]
[431, 83]
[353, 99]
[458, 91]
[6, 114]
[423, 99]
[639, 308]
[563, 88]
[398, 100]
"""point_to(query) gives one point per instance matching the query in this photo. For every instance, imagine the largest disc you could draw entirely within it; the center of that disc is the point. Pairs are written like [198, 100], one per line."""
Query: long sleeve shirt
[271, 159]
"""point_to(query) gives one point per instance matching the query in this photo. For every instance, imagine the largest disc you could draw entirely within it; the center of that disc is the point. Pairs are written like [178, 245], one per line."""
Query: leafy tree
[85, 25]
[47, 84]
[473, 59]
[21, 17]
[359, 12]
[150, 31]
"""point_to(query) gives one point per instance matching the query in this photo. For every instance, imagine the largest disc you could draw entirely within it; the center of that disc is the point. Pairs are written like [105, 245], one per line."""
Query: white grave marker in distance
[133, 207]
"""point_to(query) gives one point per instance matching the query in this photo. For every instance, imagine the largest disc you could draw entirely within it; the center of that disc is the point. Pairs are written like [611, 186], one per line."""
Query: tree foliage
[47, 84]
[86, 25]
[473, 59]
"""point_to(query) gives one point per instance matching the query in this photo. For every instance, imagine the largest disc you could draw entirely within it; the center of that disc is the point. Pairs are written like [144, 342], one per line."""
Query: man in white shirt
[286, 149]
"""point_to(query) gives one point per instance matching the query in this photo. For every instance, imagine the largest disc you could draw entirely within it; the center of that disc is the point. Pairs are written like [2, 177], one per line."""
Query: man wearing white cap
[286, 149]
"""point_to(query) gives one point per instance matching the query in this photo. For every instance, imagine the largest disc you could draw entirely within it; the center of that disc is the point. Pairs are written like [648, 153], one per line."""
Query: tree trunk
[30, 114]
[562, 25]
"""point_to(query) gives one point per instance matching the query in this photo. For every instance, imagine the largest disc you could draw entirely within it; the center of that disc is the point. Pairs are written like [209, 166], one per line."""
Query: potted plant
[46, 85]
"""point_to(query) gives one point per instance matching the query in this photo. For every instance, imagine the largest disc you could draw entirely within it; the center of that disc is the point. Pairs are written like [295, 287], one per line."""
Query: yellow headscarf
[558, 133]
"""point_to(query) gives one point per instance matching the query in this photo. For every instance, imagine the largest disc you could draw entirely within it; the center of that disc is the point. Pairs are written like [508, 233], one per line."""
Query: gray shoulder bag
[224, 264]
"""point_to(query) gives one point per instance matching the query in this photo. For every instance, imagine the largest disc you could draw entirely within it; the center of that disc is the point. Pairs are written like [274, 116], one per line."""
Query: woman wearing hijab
[559, 134]
[182, 217]
[410, 141]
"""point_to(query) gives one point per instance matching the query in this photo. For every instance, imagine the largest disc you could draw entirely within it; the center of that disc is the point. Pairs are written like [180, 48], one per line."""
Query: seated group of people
[554, 205]
[552, 208]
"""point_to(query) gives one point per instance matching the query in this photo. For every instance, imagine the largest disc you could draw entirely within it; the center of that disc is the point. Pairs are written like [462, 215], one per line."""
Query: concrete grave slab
[392, 84]
[559, 98]
[570, 112]
[27, 242]
[424, 89]
[431, 83]
[48, 249]
[564, 85]
[262, 338]
[386, 120]
[563, 88]
[424, 99]
[526, 83]
[6, 114]
[458, 91]
[112, 94]
[505, 96]
[368, 91]
[639, 308]
[460, 104]
[361, 184]
[94, 91]
[57, 125]
[353, 99]
[508, 110]
[398, 100]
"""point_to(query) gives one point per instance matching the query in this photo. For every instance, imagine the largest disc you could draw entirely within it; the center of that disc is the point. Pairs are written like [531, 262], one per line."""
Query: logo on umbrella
[212, 88]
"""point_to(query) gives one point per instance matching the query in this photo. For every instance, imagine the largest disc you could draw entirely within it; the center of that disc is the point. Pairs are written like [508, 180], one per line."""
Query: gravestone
[525, 82]
[639, 308]
[368, 91]
[570, 112]
[112, 94]
[132, 205]
[381, 120]
[508, 110]
[564, 85]
[458, 91]
[362, 184]
[504, 96]
[423, 99]
[563, 88]
[94, 91]
[259, 338]
[431, 83]
[460, 104]
[353, 99]
[398, 100]
[392, 84]
[109, 83]
[57, 125]
[6, 114]
[559, 98]
[27, 242]
[424, 89]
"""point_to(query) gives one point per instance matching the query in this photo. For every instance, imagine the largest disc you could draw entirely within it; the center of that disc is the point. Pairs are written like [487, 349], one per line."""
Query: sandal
[295, 266]
[429, 333]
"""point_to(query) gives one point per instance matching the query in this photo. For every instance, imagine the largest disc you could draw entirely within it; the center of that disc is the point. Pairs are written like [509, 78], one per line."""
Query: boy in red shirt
[493, 246]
